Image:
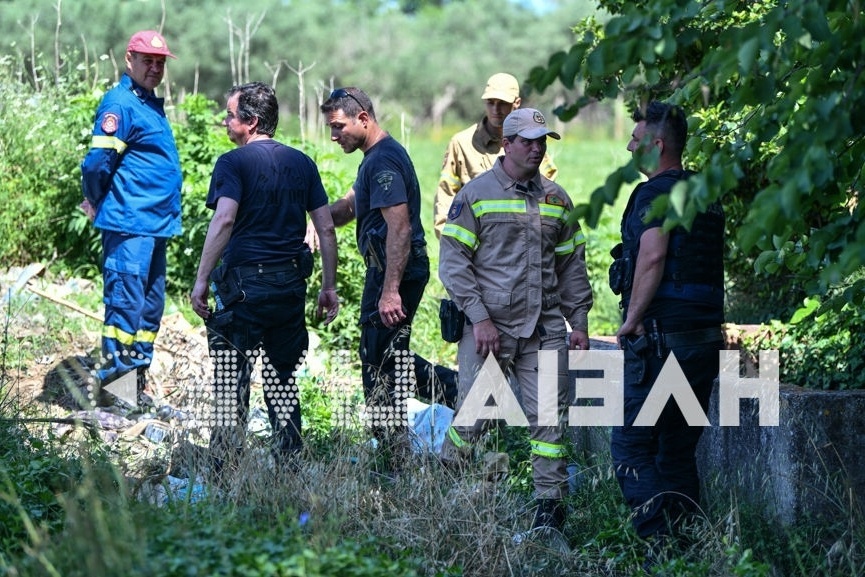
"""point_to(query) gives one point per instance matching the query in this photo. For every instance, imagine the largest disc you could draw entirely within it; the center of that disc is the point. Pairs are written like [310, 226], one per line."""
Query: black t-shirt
[275, 187]
[386, 177]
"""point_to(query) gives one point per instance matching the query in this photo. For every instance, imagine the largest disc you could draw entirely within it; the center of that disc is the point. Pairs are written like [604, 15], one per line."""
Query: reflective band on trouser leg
[117, 348]
[456, 439]
[548, 450]
[118, 335]
[143, 336]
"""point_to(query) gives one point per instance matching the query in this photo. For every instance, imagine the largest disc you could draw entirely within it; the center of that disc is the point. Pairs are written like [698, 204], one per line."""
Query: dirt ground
[40, 367]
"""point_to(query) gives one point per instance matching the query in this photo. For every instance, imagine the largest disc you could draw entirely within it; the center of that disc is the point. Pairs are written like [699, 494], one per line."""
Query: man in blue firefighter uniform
[131, 178]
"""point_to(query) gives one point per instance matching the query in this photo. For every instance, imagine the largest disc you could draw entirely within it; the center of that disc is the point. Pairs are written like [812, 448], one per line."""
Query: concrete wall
[811, 466]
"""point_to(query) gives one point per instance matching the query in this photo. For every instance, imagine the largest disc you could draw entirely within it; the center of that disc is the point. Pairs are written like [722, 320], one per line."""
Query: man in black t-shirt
[385, 200]
[260, 193]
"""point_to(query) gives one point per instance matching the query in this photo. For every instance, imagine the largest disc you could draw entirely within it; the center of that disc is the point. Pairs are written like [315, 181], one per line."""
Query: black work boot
[549, 514]
[145, 399]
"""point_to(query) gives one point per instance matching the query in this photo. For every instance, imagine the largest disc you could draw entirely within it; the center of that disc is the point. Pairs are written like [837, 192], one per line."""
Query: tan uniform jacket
[506, 253]
[470, 152]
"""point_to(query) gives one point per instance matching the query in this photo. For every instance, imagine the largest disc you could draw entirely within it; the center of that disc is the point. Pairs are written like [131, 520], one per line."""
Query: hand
[391, 310]
[486, 338]
[579, 340]
[311, 238]
[328, 301]
[88, 209]
[198, 297]
[629, 328]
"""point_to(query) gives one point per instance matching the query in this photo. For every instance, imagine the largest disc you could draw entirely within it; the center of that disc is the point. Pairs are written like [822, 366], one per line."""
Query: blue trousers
[133, 271]
[271, 322]
[656, 466]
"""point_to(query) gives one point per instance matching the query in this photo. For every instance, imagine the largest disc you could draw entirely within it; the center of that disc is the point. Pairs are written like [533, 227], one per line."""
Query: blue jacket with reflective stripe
[131, 173]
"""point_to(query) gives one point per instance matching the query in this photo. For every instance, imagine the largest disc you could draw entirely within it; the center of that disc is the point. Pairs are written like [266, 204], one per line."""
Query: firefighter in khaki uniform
[514, 264]
[475, 149]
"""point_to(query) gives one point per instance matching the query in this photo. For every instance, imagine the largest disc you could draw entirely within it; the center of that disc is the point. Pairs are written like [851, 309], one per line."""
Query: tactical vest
[694, 266]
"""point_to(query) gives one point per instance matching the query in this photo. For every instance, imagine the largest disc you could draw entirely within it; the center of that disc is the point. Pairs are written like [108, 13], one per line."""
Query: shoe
[141, 378]
[547, 527]
[550, 514]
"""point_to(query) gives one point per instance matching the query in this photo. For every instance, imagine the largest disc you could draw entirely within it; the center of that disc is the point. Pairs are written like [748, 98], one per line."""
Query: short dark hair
[665, 121]
[257, 100]
[351, 100]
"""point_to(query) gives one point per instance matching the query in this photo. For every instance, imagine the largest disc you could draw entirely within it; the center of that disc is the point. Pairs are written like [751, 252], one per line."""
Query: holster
[621, 270]
[376, 253]
[305, 262]
[453, 321]
[227, 284]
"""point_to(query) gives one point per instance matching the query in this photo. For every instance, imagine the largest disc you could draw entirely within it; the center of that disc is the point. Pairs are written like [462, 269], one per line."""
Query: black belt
[695, 337]
[254, 269]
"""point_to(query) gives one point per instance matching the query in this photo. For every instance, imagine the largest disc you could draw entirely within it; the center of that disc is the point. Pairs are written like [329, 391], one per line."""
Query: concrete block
[810, 467]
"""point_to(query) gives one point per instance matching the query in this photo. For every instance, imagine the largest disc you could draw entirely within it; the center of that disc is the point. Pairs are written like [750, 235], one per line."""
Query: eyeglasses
[342, 93]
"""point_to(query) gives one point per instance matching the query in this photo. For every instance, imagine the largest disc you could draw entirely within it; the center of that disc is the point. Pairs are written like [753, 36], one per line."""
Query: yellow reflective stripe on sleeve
[552, 211]
[566, 247]
[548, 450]
[483, 207]
[456, 439]
[571, 244]
[127, 339]
[108, 142]
[461, 234]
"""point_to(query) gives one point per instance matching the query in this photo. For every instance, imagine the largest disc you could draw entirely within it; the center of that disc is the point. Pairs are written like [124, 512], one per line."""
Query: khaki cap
[528, 123]
[503, 87]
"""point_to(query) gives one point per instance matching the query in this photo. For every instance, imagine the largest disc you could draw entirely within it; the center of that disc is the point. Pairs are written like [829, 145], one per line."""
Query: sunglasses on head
[342, 93]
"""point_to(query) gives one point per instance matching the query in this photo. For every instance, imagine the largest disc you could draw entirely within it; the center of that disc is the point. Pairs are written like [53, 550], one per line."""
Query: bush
[821, 347]
[43, 136]
[199, 143]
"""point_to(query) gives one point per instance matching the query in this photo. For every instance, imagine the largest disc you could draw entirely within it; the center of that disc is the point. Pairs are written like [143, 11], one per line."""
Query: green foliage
[199, 143]
[344, 332]
[821, 347]
[223, 541]
[31, 474]
[407, 47]
[42, 139]
[776, 98]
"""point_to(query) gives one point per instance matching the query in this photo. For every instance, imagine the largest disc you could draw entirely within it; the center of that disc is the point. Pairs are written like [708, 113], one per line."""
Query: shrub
[821, 347]
[43, 136]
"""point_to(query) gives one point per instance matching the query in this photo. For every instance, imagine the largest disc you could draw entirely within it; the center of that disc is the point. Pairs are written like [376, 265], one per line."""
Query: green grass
[73, 505]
